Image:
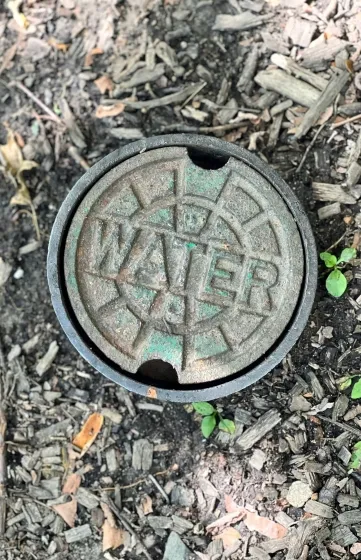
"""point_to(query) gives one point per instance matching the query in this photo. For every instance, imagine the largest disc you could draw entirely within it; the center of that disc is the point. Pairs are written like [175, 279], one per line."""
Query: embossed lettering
[105, 256]
[260, 277]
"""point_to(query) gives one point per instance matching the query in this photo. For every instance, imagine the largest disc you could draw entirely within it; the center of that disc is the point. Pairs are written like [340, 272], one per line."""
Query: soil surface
[150, 486]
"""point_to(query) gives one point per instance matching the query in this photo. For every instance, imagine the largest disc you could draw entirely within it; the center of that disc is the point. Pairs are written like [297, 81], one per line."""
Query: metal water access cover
[201, 268]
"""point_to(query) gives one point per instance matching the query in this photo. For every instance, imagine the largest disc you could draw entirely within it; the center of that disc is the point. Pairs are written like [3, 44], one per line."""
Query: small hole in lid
[159, 370]
[207, 160]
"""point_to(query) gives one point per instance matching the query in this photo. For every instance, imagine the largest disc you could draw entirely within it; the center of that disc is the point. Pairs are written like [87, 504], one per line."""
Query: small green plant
[336, 282]
[355, 461]
[210, 418]
[346, 382]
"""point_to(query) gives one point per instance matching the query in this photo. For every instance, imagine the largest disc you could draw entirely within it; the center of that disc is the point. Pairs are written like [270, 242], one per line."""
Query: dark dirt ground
[57, 52]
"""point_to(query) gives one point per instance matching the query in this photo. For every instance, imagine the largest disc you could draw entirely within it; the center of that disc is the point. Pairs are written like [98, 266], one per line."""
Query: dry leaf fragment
[18, 16]
[355, 548]
[229, 536]
[109, 110]
[264, 526]
[325, 116]
[104, 84]
[15, 165]
[147, 504]
[63, 47]
[349, 66]
[72, 484]
[67, 511]
[11, 154]
[89, 432]
[230, 504]
[227, 519]
[152, 393]
[89, 58]
[113, 537]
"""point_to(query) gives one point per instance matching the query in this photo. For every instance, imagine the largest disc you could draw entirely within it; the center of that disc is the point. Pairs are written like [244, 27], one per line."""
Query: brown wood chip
[316, 508]
[350, 517]
[256, 432]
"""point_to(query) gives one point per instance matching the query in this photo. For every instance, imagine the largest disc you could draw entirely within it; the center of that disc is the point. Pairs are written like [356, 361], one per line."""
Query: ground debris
[328, 211]
[299, 403]
[258, 459]
[327, 192]
[321, 510]
[67, 511]
[299, 493]
[329, 94]
[350, 109]
[142, 455]
[248, 70]
[342, 535]
[75, 132]
[352, 517]
[175, 548]
[261, 427]
[44, 364]
[264, 526]
[89, 432]
[181, 525]
[77, 534]
[347, 500]
[240, 22]
[300, 31]
[290, 66]
[279, 81]
[141, 76]
[321, 51]
[160, 522]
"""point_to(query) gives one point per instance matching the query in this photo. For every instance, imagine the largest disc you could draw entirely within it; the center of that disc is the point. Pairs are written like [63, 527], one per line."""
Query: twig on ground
[336, 242]
[36, 100]
[201, 86]
[158, 486]
[309, 147]
[346, 121]
[73, 152]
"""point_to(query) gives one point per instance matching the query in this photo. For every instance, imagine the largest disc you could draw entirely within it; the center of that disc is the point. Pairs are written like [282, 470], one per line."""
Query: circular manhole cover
[177, 255]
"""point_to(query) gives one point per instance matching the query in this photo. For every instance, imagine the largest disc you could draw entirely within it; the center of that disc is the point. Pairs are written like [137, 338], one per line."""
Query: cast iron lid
[187, 250]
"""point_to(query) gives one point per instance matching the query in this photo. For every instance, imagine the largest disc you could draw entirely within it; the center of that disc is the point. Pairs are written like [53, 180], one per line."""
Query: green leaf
[356, 390]
[208, 425]
[329, 259]
[347, 255]
[204, 408]
[355, 461]
[227, 426]
[345, 383]
[336, 283]
[357, 445]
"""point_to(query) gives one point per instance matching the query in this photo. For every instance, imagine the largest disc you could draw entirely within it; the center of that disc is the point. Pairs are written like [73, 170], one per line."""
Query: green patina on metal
[205, 182]
[164, 346]
[164, 217]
